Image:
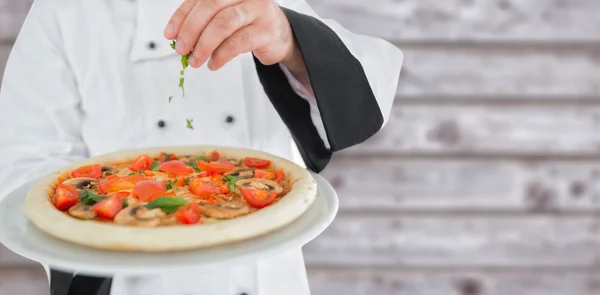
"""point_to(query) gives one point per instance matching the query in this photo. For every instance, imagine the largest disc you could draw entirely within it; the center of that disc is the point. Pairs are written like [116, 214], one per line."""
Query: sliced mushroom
[138, 215]
[106, 168]
[81, 183]
[259, 183]
[188, 160]
[226, 210]
[234, 162]
[82, 211]
[241, 172]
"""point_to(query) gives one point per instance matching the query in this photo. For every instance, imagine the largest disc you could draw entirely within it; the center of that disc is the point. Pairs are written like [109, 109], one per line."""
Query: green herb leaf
[167, 204]
[181, 81]
[202, 158]
[189, 123]
[169, 184]
[173, 44]
[182, 72]
[170, 98]
[155, 166]
[231, 180]
[187, 181]
[88, 197]
[125, 203]
[195, 166]
[185, 61]
[168, 157]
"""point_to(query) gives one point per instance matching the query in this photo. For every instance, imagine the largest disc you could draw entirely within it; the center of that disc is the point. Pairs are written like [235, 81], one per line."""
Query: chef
[91, 77]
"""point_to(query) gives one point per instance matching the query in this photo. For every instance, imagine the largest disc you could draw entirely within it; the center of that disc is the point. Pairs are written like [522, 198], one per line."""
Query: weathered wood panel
[570, 130]
[24, 281]
[10, 259]
[444, 185]
[481, 20]
[458, 282]
[546, 72]
[12, 15]
[457, 241]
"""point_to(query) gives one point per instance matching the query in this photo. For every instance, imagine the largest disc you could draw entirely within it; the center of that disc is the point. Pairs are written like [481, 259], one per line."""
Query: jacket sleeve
[354, 80]
[39, 104]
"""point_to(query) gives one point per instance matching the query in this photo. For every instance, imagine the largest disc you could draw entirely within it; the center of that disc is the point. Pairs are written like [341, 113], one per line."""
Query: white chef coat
[91, 77]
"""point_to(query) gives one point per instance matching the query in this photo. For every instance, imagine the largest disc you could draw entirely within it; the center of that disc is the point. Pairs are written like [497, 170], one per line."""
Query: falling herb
[231, 180]
[170, 98]
[189, 123]
[155, 166]
[88, 197]
[184, 64]
[167, 204]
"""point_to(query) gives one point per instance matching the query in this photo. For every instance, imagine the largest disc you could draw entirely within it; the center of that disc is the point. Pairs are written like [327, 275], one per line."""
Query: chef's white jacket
[91, 77]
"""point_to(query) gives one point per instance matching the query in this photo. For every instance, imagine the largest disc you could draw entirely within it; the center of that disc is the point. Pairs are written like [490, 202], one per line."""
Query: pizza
[168, 199]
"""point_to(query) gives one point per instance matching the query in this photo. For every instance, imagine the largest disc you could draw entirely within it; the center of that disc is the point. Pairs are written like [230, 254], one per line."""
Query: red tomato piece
[65, 197]
[119, 184]
[164, 157]
[264, 174]
[189, 214]
[143, 162]
[122, 195]
[279, 175]
[224, 189]
[256, 162]
[90, 171]
[214, 156]
[112, 176]
[180, 181]
[258, 198]
[201, 188]
[109, 207]
[220, 166]
[148, 190]
[203, 174]
[149, 173]
[176, 167]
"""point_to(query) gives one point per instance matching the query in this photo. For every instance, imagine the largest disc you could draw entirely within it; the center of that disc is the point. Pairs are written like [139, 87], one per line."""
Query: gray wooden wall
[484, 182]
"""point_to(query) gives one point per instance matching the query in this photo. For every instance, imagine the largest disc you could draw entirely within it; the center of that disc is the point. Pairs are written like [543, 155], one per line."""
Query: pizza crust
[52, 221]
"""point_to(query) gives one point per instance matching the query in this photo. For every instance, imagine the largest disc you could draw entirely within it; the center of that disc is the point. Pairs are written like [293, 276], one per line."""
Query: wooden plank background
[484, 182]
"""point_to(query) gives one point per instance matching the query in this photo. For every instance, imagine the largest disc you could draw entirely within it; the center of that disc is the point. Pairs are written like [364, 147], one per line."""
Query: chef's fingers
[242, 41]
[172, 28]
[196, 21]
[223, 25]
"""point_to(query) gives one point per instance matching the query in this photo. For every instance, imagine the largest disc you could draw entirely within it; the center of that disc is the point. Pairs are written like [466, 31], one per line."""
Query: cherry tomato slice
[164, 157]
[201, 188]
[264, 174]
[122, 195]
[258, 198]
[220, 166]
[119, 184]
[180, 181]
[279, 175]
[148, 190]
[65, 197]
[109, 207]
[143, 162]
[203, 174]
[90, 171]
[224, 189]
[189, 214]
[175, 167]
[214, 156]
[256, 162]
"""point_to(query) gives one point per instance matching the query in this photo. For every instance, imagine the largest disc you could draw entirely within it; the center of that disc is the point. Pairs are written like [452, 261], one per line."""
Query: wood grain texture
[564, 130]
[401, 240]
[490, 72]
[458, 282]
[472, 20]
[23, 281]
[12, 16]
[450, 185]
[10, 259]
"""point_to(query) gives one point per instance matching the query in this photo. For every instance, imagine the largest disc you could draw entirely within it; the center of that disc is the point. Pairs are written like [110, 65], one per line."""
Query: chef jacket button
[161, 124]
[230, 120]
[151, 45]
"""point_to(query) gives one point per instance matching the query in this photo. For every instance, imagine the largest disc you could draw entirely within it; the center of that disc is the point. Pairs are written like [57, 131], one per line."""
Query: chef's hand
[223, 29]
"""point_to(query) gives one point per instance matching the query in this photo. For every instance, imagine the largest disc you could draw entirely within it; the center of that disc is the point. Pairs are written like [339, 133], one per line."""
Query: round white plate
[25, 239]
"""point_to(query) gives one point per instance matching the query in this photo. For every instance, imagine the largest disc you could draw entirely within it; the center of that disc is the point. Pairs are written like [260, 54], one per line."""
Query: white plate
[25, 239]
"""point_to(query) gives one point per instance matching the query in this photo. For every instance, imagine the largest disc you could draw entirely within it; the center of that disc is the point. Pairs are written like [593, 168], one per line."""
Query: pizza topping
[264, 174]
[88, 197]
[241, 172]
[81, 183]
[225, 210]
[201, 188]
[149, 190]
[138, 215]
[219, 167]
[167, 204]
[90, 171]
[109, 207]
[164, 157]
[176, 167]
[189, 214]
[279, 175]
[143, 162]
[120, 184]
[256, 162]
[259, 183]
[82, 211]
[258, 198]
[65, 197]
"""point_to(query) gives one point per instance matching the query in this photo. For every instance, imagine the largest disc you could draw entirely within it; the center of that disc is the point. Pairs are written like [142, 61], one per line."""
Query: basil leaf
[155, 166]
[125, 203]
[187, 181]
[195, 166]
[202, 158]
[88, 197]
[185, 61]
[231, 180]
[167, 204]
